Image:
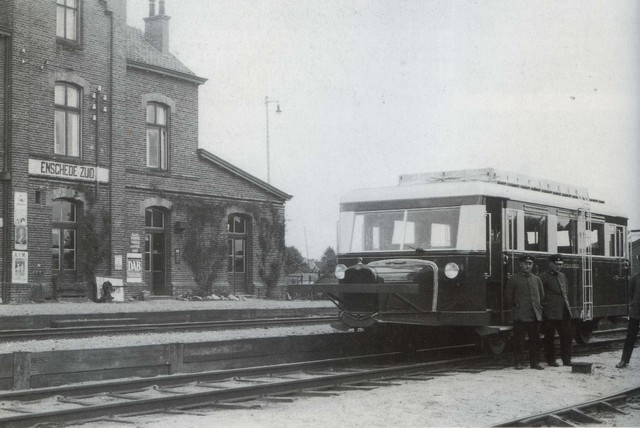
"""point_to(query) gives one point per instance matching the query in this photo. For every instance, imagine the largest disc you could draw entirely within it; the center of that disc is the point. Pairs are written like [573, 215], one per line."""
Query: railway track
[241, 388]
[238, 388]
[621, 409]
[111, 329]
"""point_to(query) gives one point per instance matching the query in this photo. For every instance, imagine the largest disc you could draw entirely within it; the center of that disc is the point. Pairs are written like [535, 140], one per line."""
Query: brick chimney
[156, 27]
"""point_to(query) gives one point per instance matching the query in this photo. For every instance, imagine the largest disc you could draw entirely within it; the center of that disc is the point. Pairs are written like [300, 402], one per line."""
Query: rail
[219, 389]
[581, 414]
[124, 328]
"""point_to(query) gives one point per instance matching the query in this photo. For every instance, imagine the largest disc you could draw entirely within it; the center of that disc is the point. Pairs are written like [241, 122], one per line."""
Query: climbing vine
[205, 242]
[270, 230]
[94, 231]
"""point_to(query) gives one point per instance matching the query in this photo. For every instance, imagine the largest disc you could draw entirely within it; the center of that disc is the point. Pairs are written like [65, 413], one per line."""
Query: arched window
[64, 238]
[67, 119]
[157, 135]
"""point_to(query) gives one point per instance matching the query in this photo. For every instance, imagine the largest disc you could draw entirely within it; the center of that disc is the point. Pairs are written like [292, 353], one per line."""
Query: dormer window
[157, 136]
[67, 19]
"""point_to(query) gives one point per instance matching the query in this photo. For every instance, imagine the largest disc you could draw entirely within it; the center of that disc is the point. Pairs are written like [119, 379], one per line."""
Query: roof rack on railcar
[492, 175]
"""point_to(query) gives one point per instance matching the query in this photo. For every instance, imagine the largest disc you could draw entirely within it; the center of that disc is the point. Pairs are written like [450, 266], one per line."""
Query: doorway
[155, 251]
[237, 247]
[64, 242]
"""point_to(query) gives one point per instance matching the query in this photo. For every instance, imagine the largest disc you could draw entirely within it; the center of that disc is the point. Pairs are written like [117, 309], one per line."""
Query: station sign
[68, 171]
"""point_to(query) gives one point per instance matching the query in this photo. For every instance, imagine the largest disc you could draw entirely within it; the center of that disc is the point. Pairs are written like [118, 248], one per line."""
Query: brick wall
[4, 41]
[115, 139]
[5, 11]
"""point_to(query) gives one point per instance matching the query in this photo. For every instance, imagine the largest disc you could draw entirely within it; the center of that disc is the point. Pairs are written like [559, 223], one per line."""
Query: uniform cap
[525, 258]
[555, 258]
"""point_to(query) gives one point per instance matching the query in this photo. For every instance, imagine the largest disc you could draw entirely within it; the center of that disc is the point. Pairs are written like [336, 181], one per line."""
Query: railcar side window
[616, 241]
[597, 239]
[567, 234]
[512, 230]
[535, 232]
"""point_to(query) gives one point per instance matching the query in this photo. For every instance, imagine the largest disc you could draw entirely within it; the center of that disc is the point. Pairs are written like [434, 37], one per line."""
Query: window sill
[66, 159]
[68, 44]
[149, 171]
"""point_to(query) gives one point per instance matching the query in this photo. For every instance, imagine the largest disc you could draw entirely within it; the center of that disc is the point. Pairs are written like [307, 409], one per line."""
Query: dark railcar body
[472, 230]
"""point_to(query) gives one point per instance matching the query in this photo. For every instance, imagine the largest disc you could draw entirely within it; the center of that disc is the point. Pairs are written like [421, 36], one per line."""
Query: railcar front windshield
[444, 228]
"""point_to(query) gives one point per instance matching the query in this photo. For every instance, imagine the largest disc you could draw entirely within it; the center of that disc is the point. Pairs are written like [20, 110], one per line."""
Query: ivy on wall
[94, 231]
[205, 238]
[270, 230]
[205, 242]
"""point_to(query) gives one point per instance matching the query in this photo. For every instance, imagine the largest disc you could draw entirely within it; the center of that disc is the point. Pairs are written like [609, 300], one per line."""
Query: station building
[102, 176]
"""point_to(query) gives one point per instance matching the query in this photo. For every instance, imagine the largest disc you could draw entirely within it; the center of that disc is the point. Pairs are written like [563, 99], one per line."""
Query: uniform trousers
[630, 341]
[520, 330]
[563, 327]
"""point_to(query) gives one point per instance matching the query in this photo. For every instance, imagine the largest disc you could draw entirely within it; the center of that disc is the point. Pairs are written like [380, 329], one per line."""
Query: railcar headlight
[340, 270]
[451, 270]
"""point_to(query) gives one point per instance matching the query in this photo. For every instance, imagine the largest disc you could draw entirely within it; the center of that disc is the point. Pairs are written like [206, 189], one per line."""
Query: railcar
[438, 249]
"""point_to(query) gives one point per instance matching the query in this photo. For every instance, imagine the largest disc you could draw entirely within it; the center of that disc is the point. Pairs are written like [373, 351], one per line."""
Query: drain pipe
[110, 139]
[6, 165]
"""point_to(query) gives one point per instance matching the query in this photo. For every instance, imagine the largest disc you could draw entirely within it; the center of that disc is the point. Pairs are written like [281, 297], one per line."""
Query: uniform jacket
[555, 295]
[634, 295]
[525, 294]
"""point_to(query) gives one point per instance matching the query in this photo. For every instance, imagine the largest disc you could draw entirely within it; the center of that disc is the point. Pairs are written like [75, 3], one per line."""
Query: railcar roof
[472, 188]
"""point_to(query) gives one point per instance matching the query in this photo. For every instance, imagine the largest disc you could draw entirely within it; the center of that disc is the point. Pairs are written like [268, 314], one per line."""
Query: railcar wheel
[495, 344]
[583, 330]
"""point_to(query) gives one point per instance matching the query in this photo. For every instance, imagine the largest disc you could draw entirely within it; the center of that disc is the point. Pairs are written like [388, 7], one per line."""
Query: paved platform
[42, 315]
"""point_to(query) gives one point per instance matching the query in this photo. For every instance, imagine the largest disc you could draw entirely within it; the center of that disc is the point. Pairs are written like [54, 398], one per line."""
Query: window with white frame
[157, 136]
[63, 234]
[616, 240]
[67, 12]
[567, 235]
[237, 243]
[597, 239]
[67, 119]
[511, 240]
[535, 232]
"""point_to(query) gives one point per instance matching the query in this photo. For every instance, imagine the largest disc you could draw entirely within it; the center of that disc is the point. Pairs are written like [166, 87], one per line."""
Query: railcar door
[493, 263]
[509, 246]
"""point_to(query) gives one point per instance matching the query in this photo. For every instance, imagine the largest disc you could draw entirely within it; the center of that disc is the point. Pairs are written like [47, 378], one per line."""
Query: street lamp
[267, 101]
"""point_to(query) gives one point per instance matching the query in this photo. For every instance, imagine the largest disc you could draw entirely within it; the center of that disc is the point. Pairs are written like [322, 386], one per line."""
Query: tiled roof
[141, 51]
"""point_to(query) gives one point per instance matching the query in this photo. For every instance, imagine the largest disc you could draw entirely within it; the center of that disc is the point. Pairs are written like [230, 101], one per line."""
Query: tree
[328, 261]
[293, 261]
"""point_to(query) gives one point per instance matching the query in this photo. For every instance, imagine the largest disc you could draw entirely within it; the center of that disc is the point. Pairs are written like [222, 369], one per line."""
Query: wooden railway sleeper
[581, 417]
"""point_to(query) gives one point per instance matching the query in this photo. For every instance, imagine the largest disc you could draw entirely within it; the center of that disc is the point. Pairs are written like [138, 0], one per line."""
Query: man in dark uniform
[525, 293]
[634, 322]
[556, 312]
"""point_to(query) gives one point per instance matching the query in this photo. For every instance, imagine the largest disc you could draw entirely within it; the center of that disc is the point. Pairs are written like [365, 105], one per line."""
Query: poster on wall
[21, 237]
[134, 268]
[20, 220]
[20, 267]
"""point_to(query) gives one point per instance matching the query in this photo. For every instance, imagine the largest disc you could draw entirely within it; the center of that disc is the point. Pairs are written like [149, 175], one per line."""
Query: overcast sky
[371, 89]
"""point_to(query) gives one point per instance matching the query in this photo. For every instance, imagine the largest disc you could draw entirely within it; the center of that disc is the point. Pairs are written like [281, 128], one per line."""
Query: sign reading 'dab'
[68, 170]
[134, 267]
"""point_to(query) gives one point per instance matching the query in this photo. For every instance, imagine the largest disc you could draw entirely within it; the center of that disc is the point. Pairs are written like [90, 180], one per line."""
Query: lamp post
[267, 101]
